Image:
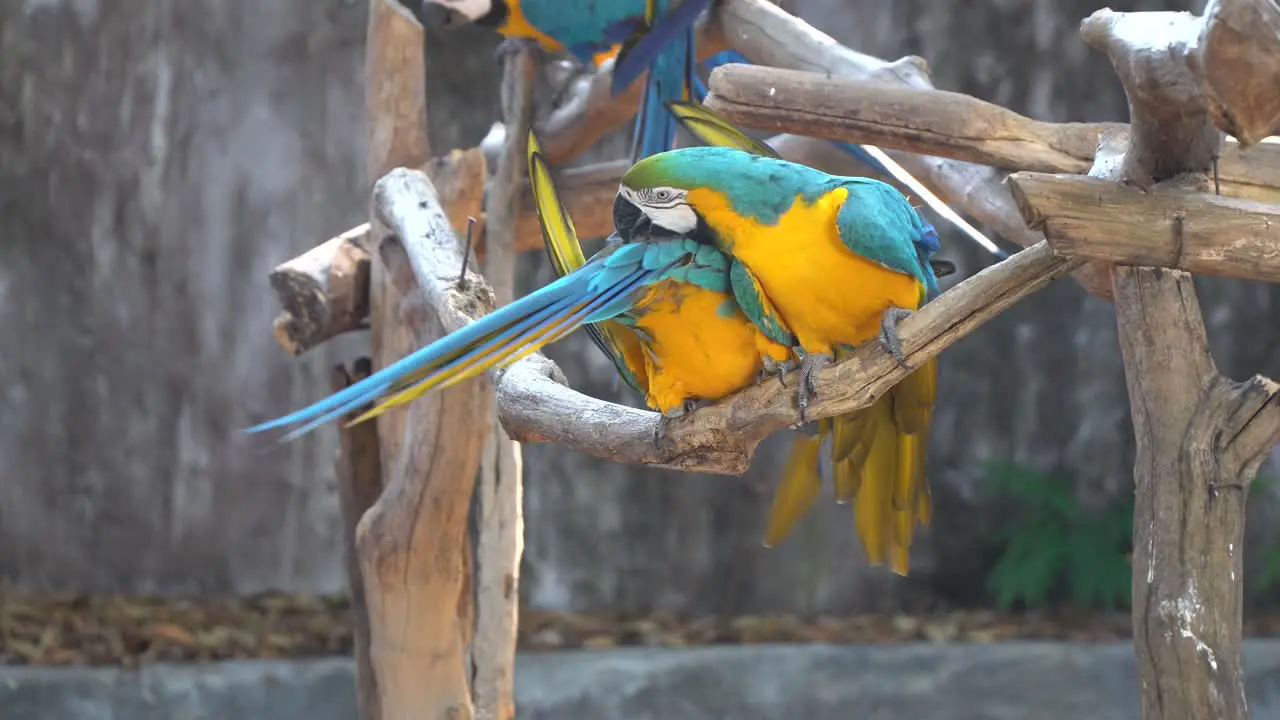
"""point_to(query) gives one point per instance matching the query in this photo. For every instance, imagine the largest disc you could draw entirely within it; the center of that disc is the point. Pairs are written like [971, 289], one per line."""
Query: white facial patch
[472, 9]
[666, 207]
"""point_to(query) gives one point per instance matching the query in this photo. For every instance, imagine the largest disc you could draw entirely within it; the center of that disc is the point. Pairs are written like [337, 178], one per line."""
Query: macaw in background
[837, 261]
[653, 35]
[689, 341]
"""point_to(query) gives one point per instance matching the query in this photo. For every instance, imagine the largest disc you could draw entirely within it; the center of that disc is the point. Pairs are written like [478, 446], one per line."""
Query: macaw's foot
[688, 406]
[513, 45]
[810, 364]
[772, 368]
[889, 334]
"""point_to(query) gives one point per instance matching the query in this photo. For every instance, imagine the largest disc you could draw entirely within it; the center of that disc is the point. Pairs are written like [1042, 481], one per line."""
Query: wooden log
[922, 120]
[935, 122]
[535, 405]
[1193, 468]
[324, 292]
[1199, 232]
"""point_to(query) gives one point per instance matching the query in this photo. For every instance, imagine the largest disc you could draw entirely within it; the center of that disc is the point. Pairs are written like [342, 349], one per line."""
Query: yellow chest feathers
[826, 293]
[698, 350]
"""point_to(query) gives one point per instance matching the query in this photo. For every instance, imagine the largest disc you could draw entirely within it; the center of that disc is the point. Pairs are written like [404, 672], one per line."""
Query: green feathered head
[654, 195]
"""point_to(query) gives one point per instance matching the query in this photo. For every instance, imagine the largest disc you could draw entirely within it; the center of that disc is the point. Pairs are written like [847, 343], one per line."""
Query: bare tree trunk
[500, 487]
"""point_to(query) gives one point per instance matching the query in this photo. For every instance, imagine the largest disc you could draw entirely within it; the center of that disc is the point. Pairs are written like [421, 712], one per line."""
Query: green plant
[1054, 544]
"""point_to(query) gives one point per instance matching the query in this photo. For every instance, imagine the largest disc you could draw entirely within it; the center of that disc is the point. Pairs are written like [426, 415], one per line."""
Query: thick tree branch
[1096, 219]
[921, 120]
[324, 292]
[535, 406]
[935, 122]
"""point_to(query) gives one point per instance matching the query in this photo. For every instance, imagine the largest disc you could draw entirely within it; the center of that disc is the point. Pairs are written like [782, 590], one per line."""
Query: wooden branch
[916, 119]
[359, 472]
[413, 542]
[767, 35]
[1239, 59]
[535, 405]
[324, 292]
[1095, 219]
[499, 489]
[935, 122]
[1200, 436]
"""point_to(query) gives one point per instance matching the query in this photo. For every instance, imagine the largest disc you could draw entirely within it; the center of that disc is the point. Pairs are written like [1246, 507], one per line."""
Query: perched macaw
[653, 35]
[689, 341]
[837, 261]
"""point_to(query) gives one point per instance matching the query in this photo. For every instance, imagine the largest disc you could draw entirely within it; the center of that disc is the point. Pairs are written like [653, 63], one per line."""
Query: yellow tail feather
[797, 489]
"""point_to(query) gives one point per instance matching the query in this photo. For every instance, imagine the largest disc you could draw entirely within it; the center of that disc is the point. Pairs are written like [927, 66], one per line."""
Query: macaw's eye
[663, 195]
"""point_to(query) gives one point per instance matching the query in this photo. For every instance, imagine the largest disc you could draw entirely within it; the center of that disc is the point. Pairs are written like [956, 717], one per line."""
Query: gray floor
[1046, 681]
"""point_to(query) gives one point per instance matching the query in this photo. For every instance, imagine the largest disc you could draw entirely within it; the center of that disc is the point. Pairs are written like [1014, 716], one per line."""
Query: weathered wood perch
[1200, 436]
[536, 406]
[1199, 232]
[946, 124]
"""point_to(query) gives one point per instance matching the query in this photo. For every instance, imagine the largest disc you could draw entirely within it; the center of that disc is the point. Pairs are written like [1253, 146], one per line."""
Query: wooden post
[412, 543]
[1200, 436]
[499, 489]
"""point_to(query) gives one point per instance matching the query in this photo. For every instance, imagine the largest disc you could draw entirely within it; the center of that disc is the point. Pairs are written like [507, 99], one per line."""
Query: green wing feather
[620, 345]
[756, 305]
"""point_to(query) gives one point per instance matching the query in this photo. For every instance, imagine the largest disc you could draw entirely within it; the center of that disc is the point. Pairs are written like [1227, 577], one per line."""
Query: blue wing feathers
[601, 289]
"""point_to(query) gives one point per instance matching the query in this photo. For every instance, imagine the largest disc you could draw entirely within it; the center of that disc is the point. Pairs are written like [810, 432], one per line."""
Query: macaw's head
[653, 198]
[486, 13]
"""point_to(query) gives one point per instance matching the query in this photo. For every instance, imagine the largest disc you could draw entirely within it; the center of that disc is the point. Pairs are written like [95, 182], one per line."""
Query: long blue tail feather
[595, 292]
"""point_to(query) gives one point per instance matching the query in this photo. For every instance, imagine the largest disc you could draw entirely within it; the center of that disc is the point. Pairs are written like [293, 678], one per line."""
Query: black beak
[942, 268]
[628, 220]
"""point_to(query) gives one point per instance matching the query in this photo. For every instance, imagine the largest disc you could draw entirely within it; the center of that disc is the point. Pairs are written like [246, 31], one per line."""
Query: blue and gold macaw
[652, 35]
[837, 261]
[690, 342]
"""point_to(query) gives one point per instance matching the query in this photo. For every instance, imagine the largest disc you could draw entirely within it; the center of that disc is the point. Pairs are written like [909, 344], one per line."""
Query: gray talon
[809, 367]
[889, 334]
[772, 368]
